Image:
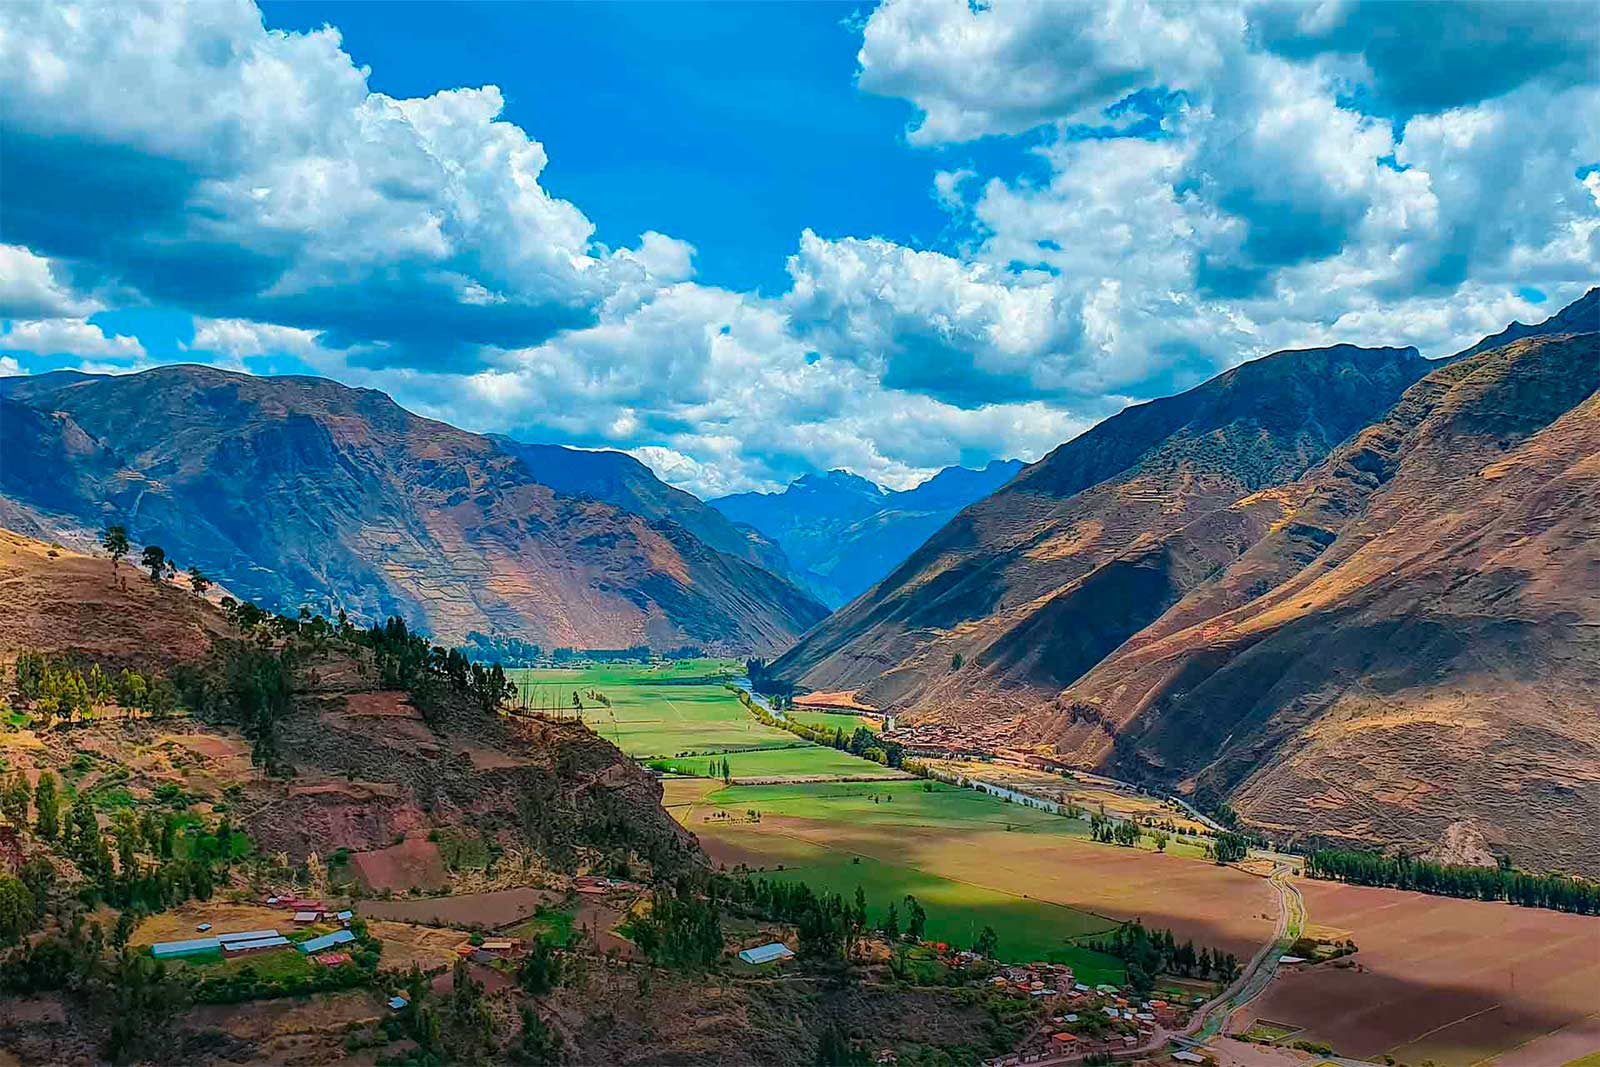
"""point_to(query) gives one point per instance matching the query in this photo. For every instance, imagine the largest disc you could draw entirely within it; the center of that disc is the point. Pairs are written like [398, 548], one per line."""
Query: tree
[916, 918]
[198, 582]
[988, 943]
[540, 970]
[1231, 847]
[15, 798]
[154, 560]
[17, 910]
[539, 1045]
[114, 539]
[1161, 837]
[47, 807]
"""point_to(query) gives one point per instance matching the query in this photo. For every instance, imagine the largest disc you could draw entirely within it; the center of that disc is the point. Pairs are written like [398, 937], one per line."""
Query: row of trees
[114, 539]
[1148, 953]
[862, 742]
[1556, 891]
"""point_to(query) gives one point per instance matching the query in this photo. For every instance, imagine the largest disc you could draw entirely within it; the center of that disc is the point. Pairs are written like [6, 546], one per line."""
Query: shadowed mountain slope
[300, 490]
[617, 478]
[1028, 588]
[1411, 654]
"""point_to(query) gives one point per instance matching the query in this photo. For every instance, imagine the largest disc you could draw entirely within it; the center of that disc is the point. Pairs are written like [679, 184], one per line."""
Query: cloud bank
[1214, 182]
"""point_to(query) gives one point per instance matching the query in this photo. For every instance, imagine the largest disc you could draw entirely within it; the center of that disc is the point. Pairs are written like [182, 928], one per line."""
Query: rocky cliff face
[302, 491]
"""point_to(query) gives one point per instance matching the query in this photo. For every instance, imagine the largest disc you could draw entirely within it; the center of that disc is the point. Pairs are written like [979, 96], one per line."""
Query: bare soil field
[1454, 981]
[842, 699]
[413, 862]
[404, 944]
[487, 909]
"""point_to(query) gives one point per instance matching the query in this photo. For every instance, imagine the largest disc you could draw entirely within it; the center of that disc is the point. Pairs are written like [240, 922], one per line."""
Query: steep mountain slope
[1028, 588]
[617, 478]
[299, 490]
[846, 532]
[1410, 655]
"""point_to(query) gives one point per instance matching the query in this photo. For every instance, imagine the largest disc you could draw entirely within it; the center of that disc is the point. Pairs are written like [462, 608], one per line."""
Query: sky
[746, 242]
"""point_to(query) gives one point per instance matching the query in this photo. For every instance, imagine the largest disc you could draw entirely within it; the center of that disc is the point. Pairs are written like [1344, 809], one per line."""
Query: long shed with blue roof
[326, 941]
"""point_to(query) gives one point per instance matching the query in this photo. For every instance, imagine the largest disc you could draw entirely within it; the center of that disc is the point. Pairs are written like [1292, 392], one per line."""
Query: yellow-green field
[681, 718]
[834, 720]
[973, 860]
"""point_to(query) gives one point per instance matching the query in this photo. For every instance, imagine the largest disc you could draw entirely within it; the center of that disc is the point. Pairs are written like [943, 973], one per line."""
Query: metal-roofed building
[767, 953]
[258, 944]
[167, 950]
[326, 941]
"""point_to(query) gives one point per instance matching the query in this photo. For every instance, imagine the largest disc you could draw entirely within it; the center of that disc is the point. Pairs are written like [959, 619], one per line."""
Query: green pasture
[681, 716]
[655, 711]
[914, 802]
[957, 911]
[799, 759]
[836, 721]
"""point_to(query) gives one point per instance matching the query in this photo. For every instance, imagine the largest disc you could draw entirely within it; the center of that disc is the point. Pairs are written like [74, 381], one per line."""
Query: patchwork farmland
[682, 719]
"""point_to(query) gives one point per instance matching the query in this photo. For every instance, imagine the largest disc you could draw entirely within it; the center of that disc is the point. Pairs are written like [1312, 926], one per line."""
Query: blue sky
[749, 241]
[726, 104]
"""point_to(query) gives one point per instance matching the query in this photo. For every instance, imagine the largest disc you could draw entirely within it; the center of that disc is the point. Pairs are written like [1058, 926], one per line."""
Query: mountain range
[298, 490]
[844, 533]
[1349, 591]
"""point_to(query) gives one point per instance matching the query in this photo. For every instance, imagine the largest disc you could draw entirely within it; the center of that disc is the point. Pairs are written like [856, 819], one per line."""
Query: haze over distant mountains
[844, 533]
[1349, 590]
[299, 490]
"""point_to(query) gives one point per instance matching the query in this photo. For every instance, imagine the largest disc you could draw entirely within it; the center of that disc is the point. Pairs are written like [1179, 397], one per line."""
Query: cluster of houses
[1085, 1020]
[498, 948]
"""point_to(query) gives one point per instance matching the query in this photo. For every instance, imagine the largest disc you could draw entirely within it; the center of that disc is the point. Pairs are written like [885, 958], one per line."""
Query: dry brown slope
[366, 769]
[1018, 585]
[1438, 661]
[300, 490]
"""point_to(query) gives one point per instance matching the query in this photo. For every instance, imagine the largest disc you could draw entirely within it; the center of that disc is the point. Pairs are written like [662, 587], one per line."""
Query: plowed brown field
[1452, 981]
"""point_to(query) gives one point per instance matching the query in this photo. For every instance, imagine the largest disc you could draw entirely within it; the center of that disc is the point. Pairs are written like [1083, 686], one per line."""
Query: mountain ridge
[356, 500]
[845, 532]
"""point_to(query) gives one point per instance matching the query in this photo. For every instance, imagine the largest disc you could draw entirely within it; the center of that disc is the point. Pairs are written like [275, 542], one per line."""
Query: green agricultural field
[901, 803]
[798, 760]
[957, 911]
[836, 721]
[682, 716]
[655, 711]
